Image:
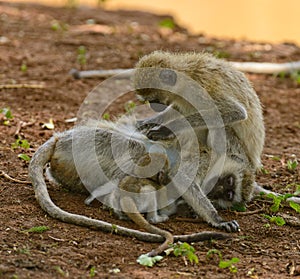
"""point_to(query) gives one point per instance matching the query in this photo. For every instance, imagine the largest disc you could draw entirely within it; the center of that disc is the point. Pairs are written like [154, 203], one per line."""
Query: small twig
[249, 212]
[2, 173]
[21, 85]
[250, 67]
[21, 124]
[56, 239]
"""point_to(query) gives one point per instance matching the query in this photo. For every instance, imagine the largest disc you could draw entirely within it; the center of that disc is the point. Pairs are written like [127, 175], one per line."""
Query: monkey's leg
[259, 189]
[202, 206]
[129, 207]
[103, 190]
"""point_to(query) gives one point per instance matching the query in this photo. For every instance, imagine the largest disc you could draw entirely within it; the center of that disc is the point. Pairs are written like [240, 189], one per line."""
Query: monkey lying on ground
[228, 88]
[75, 156]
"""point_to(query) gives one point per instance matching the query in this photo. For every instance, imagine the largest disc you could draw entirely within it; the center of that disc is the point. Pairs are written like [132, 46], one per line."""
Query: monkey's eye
[168, 77]
[230, 181]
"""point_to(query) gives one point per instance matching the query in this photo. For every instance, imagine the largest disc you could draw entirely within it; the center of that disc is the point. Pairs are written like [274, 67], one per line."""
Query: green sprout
[167, 23]
[130, 106]
[23, 67]
[24, 157]
[81, 55]
[292, 164]
[185, 250]
[224, 264]
[20, 143]
[7, 113]
[279, 221]
[38, 229]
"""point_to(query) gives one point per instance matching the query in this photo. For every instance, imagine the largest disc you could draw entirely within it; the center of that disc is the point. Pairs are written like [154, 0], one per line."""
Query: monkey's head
[225, 190]
[154, 166]
[154, 71]
[233, 188]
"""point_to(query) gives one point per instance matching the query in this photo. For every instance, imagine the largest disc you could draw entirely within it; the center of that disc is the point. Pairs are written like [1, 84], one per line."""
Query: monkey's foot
[158, 219]
[230, 226]
[160, 133]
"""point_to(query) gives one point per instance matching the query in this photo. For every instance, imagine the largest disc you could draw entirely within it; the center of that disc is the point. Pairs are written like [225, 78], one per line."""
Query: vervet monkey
[230, 90]
[75, 156]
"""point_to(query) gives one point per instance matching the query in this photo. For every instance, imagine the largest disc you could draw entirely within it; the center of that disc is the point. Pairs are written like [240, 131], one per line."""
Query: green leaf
[226, 264]
[20, 143]
[239, 207]
[39, 229]
[295, 206]
[167, 23]
[147, 260]
[7, 113]
[24, 157]
[279, 221]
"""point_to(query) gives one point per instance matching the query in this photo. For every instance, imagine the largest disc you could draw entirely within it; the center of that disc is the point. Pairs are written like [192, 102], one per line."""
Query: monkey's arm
[204, 208]
[167, 125]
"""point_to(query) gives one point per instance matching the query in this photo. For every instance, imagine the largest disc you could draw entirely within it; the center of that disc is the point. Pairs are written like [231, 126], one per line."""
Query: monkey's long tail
[129, 207]
[36, 173]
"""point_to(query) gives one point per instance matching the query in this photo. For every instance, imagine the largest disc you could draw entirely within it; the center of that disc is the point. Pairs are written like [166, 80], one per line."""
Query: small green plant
[295, 75]
[223, 264]
[186, 251]
[292, 164]
[106, 116]
[38, 229]
[20, 143]
[279, 221]
[58, 26]
[24, 157]
[264, 171]
[23, 67]
[129, 106]
[167, 23]
[239, 207]
[7, 113]
[92, 272]
[114, 228]
[147, 260]
[81, 56]
[61, 272]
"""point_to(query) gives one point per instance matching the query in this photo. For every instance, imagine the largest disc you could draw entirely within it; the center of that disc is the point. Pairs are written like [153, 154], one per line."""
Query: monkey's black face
[224, 189]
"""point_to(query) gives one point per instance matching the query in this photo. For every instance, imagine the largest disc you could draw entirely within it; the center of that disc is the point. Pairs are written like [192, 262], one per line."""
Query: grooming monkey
[75, 156]
[229, 89]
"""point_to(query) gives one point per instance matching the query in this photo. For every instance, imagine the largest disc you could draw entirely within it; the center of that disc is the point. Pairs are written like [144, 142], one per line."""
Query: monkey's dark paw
[230, 226]
[160, 133]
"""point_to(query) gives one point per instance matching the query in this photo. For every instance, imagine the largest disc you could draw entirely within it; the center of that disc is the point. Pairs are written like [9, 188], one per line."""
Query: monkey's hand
[160, 133]
[230, 226]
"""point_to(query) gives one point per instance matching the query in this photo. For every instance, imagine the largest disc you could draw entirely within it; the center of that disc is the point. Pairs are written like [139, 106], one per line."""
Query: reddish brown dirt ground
[26, 38]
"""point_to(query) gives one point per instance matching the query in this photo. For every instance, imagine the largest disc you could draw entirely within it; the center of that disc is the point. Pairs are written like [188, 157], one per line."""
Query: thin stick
[250, 67]
[2, 173]
[21, 85]
[249, 212]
